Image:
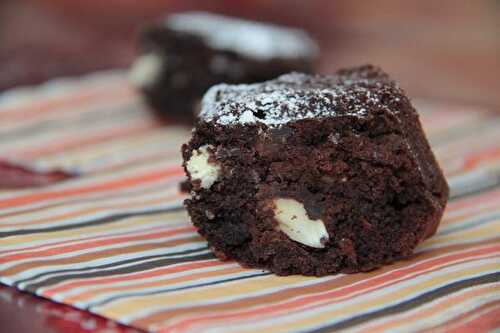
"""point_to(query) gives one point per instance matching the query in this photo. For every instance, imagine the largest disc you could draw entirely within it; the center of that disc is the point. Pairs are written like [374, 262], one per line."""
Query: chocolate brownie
[313, 175]
[184, 55]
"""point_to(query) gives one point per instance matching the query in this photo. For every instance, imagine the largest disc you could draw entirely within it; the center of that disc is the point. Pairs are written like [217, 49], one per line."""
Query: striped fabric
[117, 242]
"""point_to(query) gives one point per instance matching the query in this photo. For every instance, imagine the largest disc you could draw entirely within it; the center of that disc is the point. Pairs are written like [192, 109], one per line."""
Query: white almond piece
[200, 168]
[294, 222]
[146, 70]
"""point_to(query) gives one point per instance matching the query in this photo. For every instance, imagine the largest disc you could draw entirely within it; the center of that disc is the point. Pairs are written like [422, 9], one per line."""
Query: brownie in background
[185, 54]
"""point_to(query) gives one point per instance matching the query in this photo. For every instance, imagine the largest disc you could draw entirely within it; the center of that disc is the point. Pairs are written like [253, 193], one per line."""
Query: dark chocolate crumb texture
[313, 175]
[184, 55]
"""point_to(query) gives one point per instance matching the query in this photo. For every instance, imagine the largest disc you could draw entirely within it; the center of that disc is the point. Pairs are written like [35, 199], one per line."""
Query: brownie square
[184, 55]
[313, 175]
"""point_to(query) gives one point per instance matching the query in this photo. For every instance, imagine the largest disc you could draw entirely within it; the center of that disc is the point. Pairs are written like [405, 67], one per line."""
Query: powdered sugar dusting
[253, 39]
[297, 96]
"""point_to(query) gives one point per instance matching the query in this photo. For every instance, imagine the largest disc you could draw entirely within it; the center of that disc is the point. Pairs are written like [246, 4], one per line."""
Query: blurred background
[448, 49]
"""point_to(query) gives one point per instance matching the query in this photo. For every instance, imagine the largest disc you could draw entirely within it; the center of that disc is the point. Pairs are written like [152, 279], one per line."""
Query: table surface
[49, 317]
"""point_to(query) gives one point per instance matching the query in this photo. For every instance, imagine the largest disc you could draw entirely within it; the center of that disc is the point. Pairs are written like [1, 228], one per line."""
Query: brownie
[185, 186]
[185, 54]
[313, 175]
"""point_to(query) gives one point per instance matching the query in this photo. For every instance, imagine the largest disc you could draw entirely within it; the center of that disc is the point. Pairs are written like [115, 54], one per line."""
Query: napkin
[116, 240]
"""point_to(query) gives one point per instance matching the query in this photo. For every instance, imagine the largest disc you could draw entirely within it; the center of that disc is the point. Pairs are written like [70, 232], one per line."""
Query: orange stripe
[86, 140]
[136, 204]
[483, 159]
[476, 199]
[473, 160]
[167, 282]
[330, 291]
[131, 276]
[419, 314]
[111, 185]
[487, 322]
[470, 213]
[465, 317]
[94, 237]
[93, 244]
[164, 184]
[57, 103]
[144, 160]
[99, 254]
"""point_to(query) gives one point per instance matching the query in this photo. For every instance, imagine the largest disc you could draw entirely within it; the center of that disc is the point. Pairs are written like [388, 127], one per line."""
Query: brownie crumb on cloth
[313, 175]
[15, 176]
[185, 54]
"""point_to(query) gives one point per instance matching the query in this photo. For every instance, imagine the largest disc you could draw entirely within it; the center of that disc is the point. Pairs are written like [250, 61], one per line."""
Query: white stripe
[166, 187]
[471, 208]
[93, 109]
[19, 96]
[440, 241]
[140, 229]
[161, 289]
[120, 151]
[432, 320]
[10, 281]
[460, 321]
[233, 284]
[87, 182]
[99, 212]
[95, 233]
[474, 179]
[134, 284]
[469, 221]
[67, 133]
[107, 208]
[72, 254]
[106, 260]
[95, 179]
